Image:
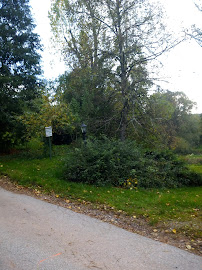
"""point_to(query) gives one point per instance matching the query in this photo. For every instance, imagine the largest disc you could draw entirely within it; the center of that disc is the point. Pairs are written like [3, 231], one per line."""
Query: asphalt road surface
[36, 235]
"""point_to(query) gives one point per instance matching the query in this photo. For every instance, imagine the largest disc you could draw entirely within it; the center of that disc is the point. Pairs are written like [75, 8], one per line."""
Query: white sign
[48, 131]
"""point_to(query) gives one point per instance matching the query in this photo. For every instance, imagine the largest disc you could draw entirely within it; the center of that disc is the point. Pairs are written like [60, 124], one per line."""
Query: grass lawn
[178, 208]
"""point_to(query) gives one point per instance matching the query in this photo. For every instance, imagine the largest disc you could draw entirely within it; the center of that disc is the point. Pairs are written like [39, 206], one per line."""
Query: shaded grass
[180, 207]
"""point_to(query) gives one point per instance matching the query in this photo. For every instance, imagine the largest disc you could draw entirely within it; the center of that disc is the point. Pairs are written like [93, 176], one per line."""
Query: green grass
[196, 168]
[177, 207]
[194, 162]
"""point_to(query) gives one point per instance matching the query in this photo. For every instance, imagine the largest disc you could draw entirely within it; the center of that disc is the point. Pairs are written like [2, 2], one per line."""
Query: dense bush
[164, 169]
[110, 162]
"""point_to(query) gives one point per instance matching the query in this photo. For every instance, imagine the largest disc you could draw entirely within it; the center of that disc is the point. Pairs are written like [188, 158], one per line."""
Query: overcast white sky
[182, 67]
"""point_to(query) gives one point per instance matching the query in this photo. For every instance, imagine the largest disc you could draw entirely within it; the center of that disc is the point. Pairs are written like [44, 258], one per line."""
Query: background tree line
[109, 47]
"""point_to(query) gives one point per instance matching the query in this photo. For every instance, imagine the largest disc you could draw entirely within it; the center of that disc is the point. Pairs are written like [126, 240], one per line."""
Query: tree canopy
[116, 37]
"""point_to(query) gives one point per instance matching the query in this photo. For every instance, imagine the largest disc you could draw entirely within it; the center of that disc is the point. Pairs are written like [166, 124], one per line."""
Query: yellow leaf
[174, 231]
[134, 217]
[57, 196]
[188, 246]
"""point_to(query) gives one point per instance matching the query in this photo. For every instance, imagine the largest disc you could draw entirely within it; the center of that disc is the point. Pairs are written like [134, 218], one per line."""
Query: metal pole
[49, 138]
[84, 138]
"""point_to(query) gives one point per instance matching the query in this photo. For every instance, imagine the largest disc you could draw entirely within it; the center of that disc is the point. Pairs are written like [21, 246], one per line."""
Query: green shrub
[102, 162]
[165, 169]
[109, 162]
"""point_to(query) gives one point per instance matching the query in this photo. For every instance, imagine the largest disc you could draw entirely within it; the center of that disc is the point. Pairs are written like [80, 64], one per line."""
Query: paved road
[36, 235]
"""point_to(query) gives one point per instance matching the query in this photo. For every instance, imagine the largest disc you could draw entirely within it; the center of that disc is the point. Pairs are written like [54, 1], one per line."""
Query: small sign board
[48, 131]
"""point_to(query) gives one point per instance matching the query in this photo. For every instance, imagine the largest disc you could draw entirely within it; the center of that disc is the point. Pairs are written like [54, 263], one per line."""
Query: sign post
[48, 131]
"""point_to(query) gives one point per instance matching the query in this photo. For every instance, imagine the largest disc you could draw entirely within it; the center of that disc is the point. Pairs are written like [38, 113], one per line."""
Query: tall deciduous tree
[19, 66]
[120, 34]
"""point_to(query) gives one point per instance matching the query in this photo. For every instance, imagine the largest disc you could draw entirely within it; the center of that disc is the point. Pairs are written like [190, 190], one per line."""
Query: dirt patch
[161, 232]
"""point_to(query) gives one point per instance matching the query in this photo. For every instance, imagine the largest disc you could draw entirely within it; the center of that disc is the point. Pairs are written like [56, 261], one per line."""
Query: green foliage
[196, 168]
[48, 112]
[35, 145]
[34, 148]
[44, 176]
[102, 162]
[165, 169]
[88, 97]
[105, 162]
[181, 146]
[110, 51]
[19, 68]
[12, 133]
[194, 161]
[171, 123]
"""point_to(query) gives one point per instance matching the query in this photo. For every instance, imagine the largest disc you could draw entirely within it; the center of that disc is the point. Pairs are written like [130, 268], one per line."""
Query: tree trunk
[123, 125]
